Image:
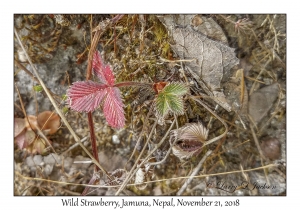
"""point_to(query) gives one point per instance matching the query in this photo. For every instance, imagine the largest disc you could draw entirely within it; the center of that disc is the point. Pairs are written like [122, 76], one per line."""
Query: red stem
[95, 40]
[124, 84]
[93, 139]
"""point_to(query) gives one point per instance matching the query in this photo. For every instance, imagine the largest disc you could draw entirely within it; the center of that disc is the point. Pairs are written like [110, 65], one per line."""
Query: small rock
[262, 101]
[271, 148]
[115, 139]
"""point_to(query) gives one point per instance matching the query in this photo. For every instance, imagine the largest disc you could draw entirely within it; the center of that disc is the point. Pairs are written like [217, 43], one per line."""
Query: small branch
[262, 157]
[170, 149]
[257, 143]
[26, 70]
[196, 170]
[40, 133]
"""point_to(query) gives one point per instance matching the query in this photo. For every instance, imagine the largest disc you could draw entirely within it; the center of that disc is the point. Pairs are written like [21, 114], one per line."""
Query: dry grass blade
[39, 130]
[214, 114]
[148, 182]
[195, 171]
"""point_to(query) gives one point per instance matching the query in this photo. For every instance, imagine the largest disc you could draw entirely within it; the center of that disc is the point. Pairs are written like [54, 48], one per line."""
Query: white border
[8, 8]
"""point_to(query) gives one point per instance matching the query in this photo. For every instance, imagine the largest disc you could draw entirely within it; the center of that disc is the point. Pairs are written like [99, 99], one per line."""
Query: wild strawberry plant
[86, 96]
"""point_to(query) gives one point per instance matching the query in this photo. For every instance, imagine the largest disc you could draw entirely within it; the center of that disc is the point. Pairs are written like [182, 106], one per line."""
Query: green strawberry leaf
[170, 99]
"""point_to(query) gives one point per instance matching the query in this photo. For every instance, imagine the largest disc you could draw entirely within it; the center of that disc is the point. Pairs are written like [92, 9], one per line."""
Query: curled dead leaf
[20, 139]
[145, 173]
[25, 138]
[31, 123]
[48, 121]
[190, 140]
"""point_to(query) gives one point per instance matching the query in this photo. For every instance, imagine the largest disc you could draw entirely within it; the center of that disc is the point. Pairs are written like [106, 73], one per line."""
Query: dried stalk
[196, 170]
[262, 157]
[148, 182]
[214, 114]
[141, 134]
[131, 174]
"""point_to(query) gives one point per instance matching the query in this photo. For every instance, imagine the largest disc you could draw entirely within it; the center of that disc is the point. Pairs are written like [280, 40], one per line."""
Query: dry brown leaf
[19, 126]
[48, 121]
[32, 124]
[21, 139]
[190, 140]
[37, 146]
[210, 59]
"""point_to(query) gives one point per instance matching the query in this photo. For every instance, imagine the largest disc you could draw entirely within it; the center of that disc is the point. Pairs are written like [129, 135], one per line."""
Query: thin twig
[148, 156]
[160, 143]
[257, 143]
[130, 174]
[262, 157]
[74, 146]
[40, 133]
[30, 74]
[148, 182]
[195, 171]
[220, 119]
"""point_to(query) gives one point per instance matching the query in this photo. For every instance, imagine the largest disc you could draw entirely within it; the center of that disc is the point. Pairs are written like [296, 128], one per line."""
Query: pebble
[271, 148]
[115, 139]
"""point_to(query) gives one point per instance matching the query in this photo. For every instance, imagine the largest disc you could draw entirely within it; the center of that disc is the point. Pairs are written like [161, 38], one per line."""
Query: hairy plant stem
[93, 138]
[94, 43]
[95, 39]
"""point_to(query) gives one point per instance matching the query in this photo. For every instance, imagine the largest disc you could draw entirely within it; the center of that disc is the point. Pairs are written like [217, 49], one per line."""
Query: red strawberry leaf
[86, 96]
[113, 108]
[102, 71]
